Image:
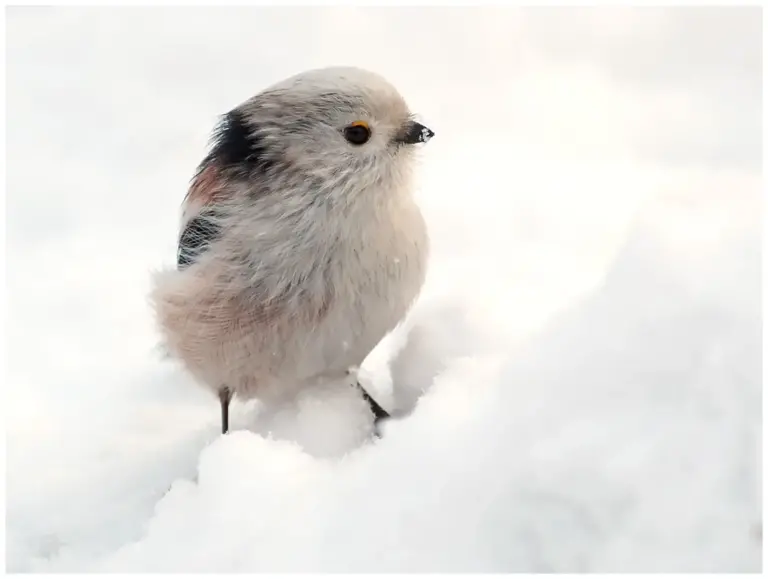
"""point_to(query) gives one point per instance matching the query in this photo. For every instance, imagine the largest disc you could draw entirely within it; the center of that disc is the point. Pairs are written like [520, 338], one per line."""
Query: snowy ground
[580, 385]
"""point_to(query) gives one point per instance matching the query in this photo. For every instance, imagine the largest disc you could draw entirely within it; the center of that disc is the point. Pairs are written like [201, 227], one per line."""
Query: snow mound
[624, 436]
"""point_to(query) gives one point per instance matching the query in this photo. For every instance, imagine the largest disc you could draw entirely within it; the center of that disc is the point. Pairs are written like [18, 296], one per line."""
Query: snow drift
[624, 436]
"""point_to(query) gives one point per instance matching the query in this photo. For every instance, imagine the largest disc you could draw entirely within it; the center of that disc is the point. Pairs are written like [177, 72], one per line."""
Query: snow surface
[579, 388]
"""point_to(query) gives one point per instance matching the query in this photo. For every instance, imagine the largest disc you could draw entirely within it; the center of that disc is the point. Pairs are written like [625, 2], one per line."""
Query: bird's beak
[413, 133]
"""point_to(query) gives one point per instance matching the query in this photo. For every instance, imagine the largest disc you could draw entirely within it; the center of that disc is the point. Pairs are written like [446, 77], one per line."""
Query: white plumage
[301, 243]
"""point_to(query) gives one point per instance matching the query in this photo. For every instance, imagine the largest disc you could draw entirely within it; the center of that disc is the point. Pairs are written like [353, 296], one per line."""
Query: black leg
[224, 397]
[377, 410]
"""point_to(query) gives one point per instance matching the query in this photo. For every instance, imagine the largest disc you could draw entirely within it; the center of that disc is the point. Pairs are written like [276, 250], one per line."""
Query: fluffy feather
[319, 248]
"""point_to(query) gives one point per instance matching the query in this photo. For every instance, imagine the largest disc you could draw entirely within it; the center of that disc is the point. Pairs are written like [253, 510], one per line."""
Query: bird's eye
[357, 133]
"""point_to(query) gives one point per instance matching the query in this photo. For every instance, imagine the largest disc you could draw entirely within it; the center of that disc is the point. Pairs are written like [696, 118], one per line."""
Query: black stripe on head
[234, 145]
[197, 236]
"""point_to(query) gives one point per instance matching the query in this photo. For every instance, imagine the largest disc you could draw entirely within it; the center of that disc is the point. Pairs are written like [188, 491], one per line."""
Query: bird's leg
[224, 397]
[378, 412]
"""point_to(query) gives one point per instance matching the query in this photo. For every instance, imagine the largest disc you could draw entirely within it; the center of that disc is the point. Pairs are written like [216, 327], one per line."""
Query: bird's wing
[233, 145]
[198, 233]
[199, 224]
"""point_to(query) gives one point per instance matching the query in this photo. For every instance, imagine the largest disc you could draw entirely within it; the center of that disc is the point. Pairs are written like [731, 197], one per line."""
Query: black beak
[415, 133]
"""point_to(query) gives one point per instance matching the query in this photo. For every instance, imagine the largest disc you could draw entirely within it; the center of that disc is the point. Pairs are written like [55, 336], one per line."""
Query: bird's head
[332, 131]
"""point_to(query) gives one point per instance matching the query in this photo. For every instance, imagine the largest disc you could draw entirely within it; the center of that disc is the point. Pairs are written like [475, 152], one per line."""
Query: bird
[301, 244]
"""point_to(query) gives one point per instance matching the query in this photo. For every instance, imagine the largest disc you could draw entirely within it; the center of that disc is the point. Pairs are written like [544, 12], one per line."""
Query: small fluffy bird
[301, 245]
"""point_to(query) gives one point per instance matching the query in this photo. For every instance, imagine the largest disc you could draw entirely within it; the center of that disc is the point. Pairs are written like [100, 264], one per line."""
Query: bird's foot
[379, 413]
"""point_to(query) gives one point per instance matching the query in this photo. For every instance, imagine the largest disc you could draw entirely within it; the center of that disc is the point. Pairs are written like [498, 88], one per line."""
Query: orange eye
[357, 133]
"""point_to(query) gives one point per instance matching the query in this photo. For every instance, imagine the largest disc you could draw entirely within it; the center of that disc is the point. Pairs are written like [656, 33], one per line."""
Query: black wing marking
[235, 144]
[236, 149]
[197, 236]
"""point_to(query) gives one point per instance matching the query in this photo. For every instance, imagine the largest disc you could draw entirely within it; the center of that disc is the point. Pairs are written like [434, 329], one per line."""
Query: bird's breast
[375, 279]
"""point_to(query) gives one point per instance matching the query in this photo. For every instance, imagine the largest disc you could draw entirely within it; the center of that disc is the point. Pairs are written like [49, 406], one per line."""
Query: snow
[578, 389]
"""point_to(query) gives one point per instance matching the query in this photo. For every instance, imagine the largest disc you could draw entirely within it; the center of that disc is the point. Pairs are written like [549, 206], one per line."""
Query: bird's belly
[347, 339]
[374, 286]
[353, 327]
[223, 342]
